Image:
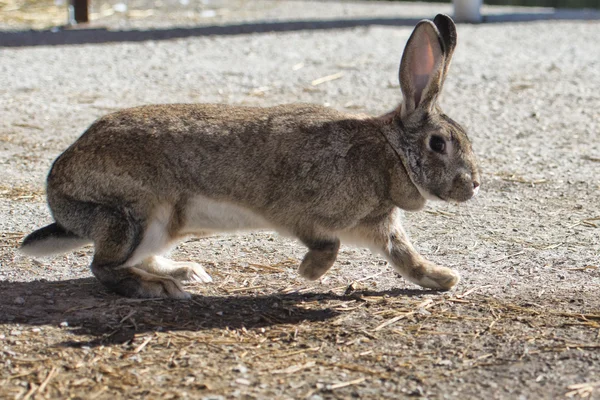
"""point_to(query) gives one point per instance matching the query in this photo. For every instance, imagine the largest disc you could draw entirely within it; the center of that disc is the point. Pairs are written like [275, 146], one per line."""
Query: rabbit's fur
[139, 180]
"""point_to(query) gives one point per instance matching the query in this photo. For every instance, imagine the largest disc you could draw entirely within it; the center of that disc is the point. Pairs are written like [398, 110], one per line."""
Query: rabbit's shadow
[84, 308]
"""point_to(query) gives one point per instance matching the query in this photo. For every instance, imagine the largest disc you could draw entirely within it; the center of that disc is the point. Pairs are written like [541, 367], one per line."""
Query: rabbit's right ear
[422, 68]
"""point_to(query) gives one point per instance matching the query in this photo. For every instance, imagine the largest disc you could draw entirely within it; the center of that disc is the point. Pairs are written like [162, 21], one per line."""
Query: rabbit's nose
[475, 187]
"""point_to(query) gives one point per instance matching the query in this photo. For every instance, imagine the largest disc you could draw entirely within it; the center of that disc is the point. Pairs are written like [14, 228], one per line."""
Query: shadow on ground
[76, 36]
[85, 308]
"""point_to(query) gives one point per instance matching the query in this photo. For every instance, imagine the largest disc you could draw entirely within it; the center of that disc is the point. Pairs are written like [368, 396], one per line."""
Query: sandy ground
[524, 322]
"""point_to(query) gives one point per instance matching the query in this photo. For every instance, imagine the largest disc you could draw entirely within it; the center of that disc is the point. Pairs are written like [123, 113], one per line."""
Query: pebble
[19, 300]
[64, 324]
[240, 368]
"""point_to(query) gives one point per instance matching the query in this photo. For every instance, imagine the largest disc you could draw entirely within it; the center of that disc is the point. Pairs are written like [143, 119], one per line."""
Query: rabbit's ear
[422, 68]
[447, 31]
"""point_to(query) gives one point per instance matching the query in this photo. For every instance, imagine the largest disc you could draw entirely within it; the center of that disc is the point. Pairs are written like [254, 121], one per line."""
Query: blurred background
[41, 14]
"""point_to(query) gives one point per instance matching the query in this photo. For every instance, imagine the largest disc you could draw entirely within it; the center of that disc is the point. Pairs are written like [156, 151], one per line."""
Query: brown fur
[307, 170]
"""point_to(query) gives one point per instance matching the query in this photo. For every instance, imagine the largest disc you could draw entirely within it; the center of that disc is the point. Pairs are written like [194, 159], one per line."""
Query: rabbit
[142, 179]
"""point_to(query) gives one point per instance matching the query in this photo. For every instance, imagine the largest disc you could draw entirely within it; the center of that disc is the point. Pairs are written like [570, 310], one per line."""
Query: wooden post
[80, 10]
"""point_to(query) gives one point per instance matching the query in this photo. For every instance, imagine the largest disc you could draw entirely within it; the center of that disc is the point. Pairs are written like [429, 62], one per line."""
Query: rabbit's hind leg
[122, 246]
[180, 270]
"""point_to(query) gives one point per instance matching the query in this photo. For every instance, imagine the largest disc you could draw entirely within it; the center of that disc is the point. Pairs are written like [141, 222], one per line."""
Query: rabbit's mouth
[464, 193]
[427, 195]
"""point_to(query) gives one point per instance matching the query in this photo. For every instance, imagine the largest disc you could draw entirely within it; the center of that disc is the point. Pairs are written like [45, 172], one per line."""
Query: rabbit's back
[313, 160]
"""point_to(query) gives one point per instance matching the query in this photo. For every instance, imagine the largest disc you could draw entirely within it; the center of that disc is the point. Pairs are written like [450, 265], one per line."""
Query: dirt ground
[524, 323]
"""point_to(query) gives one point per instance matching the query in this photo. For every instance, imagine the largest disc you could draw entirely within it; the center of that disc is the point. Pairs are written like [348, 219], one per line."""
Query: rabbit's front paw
[316, 264]
[436, 277]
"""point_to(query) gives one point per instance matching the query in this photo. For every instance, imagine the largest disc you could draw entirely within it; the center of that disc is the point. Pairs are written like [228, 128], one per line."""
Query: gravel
[528, 94]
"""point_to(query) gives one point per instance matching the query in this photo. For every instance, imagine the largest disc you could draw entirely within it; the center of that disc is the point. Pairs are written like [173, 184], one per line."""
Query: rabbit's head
[434, 149]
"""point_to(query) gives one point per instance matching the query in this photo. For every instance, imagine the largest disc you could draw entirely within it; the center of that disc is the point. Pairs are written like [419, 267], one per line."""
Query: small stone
[242, 381]
[64, 324]
[19, 300]
[15, 332]
[36, 330]
[240, 368]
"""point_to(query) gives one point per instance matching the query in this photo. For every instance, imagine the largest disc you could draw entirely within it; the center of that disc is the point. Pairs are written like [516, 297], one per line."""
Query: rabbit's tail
[51, 239]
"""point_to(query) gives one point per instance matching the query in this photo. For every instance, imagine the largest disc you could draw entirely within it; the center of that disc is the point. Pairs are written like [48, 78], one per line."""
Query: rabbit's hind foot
[136, 282]
[180, 270]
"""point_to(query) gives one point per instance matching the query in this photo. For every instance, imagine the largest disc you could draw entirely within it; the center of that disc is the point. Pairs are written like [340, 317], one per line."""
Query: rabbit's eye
[437, 144]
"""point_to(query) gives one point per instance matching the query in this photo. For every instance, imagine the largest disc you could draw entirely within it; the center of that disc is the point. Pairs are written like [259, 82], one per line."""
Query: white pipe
[467, 10]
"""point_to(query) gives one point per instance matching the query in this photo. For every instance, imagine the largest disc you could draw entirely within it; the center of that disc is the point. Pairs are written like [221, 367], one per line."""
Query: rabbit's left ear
[447, 31]
[422, 68]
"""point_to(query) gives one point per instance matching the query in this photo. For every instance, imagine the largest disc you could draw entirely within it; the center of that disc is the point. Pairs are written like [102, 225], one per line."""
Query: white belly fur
[204, 215]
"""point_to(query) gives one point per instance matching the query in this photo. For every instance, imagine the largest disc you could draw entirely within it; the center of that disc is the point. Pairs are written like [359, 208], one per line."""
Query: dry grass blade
[345, 384]
[53, 372]
[98, 393]
[582, 390]
[244, 289]
[327, 78]
[31, 391]
[293, 353]
[125, 318]
[468, 292]
[507, 257]
[520, 179]
[141, 346]
[366, 278]
[392, 320]
[295, 368]
[421, 306]
[587, 267]
[267, 267]
[590, 158]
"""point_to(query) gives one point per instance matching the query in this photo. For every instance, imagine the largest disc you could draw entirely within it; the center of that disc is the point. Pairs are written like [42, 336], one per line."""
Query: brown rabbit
[142, 179]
